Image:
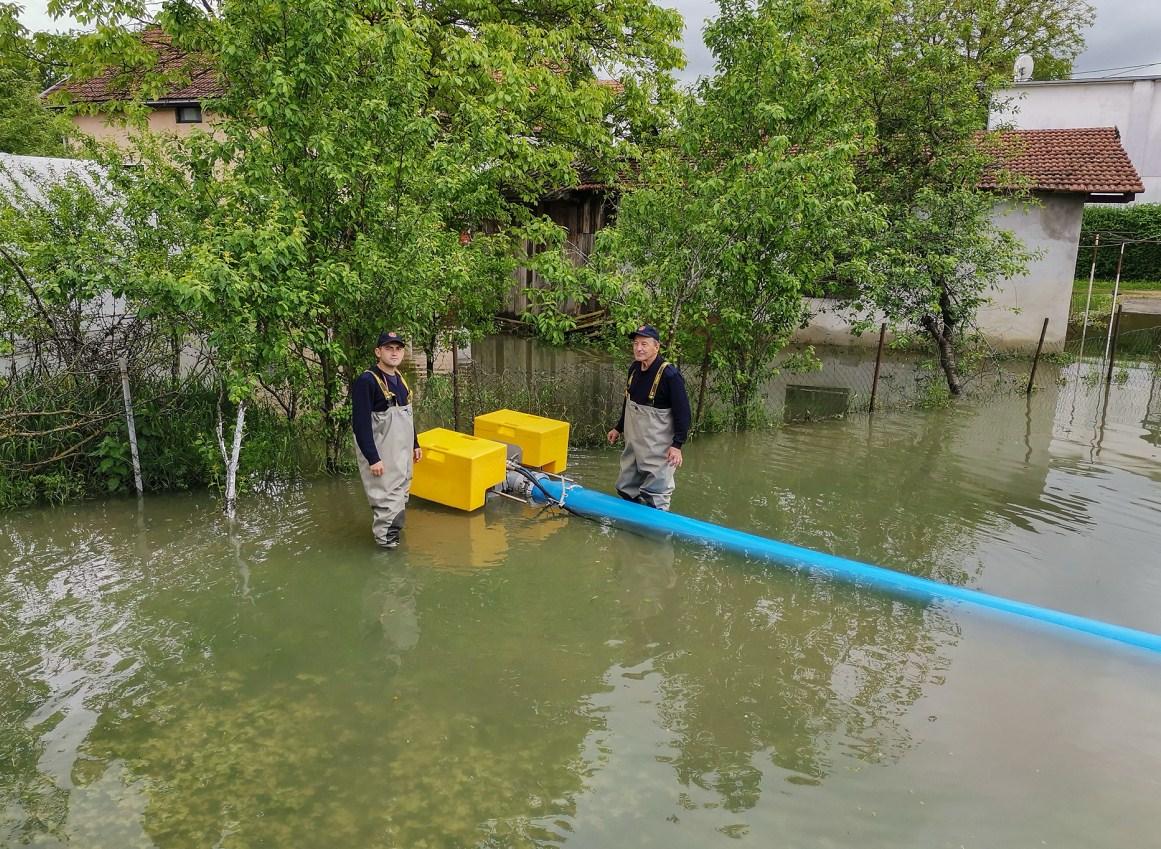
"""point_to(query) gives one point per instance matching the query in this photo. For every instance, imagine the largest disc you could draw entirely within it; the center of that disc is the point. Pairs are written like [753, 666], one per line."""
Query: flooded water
[518, 678]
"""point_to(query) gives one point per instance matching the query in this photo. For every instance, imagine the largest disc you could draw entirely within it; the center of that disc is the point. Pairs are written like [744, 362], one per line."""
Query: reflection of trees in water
[67, 646]
[783, 669]
[770, 668]
[94, 614]
[411, 704]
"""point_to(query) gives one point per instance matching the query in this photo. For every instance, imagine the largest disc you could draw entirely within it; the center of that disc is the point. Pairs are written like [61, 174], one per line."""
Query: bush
[1116, 224]
[66, 440]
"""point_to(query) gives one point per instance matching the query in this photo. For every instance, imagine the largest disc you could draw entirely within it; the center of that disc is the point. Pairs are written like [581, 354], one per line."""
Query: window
[189, 114]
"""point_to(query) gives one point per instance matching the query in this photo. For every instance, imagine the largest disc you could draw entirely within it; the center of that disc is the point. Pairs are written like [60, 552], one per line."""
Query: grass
[1101, 306]
[1105, 287]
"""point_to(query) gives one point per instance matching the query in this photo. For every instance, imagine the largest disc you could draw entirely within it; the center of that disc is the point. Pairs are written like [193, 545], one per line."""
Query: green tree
[29, 63]
[925, 88]
[354, 143]
[748, 200]
[990, 34]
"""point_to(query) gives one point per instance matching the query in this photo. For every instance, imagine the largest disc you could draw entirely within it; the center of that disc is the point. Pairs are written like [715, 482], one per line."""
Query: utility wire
[1076, 74]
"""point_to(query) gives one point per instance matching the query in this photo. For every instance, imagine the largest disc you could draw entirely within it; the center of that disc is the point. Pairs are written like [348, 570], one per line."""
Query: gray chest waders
[646, 475]
[394, 433]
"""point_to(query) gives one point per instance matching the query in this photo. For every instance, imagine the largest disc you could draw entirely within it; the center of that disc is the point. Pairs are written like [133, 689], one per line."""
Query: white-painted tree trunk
[232, 457]
[124, 364]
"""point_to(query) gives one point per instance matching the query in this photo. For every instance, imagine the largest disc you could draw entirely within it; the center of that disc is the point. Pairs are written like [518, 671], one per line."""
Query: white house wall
[1013, 318]
[1017, 312]
[1133, 106]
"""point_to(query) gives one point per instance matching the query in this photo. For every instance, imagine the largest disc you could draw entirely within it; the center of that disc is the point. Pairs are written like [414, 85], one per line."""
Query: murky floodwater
[518, 678]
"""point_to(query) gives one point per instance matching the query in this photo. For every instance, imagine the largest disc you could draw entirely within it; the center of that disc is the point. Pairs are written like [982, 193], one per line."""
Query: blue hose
[598, 505]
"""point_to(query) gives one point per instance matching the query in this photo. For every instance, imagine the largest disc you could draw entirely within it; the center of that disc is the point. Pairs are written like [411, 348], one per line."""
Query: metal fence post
[878, 360]
[1036, 359]
[1088, 300]
[1114, 330]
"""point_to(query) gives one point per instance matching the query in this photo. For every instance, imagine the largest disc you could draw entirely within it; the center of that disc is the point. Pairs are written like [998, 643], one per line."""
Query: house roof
[1088, 161]
[24, 177]
[199, 81]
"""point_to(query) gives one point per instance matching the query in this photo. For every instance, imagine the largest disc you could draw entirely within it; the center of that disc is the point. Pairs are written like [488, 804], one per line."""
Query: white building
[1131, 104]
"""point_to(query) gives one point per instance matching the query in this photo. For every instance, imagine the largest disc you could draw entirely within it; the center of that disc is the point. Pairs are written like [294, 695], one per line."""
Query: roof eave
[1120, 197]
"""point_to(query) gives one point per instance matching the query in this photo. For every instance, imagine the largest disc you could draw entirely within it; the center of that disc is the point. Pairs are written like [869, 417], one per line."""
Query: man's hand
[673, 457]
[613, 434]
[377, 468]
[418, 454]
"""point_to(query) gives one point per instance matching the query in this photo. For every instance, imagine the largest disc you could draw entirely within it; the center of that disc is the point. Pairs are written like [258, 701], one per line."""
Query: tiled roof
[1082, 161]
[114, 84]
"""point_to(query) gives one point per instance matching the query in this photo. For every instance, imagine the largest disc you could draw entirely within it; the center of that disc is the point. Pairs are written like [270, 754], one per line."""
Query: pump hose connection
[534, 479]
[597, 505]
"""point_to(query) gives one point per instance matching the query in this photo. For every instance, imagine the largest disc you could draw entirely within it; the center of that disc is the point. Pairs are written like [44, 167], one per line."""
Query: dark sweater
[367, 398]
[671, 395]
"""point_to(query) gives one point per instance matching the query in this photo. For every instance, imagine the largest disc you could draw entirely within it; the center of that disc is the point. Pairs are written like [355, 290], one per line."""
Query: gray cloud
[1126, 32]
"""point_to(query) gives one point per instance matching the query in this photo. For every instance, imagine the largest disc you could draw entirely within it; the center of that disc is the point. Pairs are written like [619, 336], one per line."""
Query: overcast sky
[1126, 33]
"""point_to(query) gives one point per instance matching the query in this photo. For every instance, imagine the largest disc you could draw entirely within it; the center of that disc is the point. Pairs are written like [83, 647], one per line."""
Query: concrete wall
[1013, 319]
[1132, 105]
[162, 119]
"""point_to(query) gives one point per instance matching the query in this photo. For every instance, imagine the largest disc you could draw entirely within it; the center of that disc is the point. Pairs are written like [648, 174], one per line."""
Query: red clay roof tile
[113, 84]
[1090, 160]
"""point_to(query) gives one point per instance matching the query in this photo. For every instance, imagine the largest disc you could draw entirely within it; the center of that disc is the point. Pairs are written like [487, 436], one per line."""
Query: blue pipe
[598, 505]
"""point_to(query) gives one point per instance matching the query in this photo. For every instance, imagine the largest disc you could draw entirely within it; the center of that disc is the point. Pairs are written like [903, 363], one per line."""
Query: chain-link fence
[587, 388]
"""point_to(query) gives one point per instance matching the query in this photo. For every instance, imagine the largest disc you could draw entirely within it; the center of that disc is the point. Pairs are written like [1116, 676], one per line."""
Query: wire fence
[809, 384]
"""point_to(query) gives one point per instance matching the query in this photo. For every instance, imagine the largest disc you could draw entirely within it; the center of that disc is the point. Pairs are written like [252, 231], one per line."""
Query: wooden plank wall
[581, 213]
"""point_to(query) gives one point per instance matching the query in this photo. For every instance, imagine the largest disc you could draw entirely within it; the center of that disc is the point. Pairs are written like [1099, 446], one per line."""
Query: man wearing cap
[385, 440]
[655, 420]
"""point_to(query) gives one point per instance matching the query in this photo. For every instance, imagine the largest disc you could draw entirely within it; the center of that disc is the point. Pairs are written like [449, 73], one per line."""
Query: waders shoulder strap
[657, 381]
[387, 393]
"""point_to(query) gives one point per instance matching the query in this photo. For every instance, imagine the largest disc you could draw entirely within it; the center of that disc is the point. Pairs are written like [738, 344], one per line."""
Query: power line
[1121, 68]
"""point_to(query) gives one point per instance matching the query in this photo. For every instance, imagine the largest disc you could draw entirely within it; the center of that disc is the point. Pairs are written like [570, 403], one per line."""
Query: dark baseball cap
[646, 330]
[391, 338]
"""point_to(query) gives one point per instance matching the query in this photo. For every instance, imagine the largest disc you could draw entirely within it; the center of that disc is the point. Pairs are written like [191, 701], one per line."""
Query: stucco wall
[1133, 106]
[1017, 312]
[161, 120]
[1013, 319]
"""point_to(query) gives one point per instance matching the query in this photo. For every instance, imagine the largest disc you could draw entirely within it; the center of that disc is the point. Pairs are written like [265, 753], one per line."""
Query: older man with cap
[655, 420]
[385, 441]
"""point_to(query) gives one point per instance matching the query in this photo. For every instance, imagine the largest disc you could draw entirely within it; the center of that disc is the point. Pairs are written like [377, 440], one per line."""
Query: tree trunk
[455, 385]
[232, 457]
[333, 438]
[742, 383]
[175, 362]
[705, 360]
[943, 338]
[123, 363]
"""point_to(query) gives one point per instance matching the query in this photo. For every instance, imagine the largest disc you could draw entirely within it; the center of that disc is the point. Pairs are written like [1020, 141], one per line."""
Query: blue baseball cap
[646, 330]
[391, 338]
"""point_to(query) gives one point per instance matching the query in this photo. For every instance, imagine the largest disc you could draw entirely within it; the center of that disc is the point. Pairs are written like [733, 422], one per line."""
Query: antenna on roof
[1023, 68]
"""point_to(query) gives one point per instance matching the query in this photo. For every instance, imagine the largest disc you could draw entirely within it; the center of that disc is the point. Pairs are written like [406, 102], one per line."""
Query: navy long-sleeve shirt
[367, 398]
[671, 395]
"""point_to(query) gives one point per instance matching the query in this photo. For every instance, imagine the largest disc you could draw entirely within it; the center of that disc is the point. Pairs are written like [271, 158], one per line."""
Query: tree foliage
[926, 88]
[29, 63]
[353, 146]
